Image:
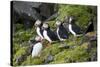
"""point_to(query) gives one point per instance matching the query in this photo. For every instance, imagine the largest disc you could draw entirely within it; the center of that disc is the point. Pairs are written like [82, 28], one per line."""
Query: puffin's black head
[38, 23]
[38, 38]
[45, 26]
[71, 19]
[66, 19]
[33, 41]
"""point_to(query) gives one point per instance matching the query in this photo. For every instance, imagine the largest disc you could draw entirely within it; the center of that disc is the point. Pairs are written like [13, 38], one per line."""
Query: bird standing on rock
[62, 33]
[37, 46]
[39, 29]
[49, 34]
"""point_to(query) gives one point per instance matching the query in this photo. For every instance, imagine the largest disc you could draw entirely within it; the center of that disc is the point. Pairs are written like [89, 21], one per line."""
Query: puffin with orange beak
[48, 34]
[36, 46]
[39, 30]
[62, 33]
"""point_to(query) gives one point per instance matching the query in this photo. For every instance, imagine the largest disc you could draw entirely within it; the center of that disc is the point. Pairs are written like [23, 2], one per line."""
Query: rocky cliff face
[28, 12]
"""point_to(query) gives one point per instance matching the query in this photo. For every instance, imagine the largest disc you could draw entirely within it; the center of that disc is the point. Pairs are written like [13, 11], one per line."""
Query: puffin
[48, 34]
[36, 46]
[90, 27]
[73, 28]
[62, 33]
[39, 30]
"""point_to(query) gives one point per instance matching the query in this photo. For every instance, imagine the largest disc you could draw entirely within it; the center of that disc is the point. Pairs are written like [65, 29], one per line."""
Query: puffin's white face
[45, 26]
[58, 23]
[38, 38]
[38, 22]
[70, 19]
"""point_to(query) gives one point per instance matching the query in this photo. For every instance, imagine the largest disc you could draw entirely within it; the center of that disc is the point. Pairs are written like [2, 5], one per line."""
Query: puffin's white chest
[38, 32]
[70, 29]
[46, 36]
[59, 35]
[36, 49]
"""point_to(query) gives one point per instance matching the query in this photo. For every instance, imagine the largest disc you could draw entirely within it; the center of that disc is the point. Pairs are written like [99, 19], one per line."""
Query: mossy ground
[77, 51]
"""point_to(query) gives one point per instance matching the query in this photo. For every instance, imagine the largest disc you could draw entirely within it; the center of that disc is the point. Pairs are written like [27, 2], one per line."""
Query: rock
[29, 12]
[92, 36]
[46, 10]
[48, 59]
[25, 12]
[94, 57]
[52, 17]
[20, 59]
[89, 37]
[26, 9]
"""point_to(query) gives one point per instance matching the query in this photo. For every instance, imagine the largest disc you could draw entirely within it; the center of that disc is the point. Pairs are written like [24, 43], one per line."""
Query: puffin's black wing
[90, 28]
[66, 25]
[63, 32]
[76, 29]
[52, 35]
[41, 31]
[32, 43]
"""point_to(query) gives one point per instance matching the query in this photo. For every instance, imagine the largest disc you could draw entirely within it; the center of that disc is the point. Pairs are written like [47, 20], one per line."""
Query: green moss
[15, 47]
[19, 26]
[52, 25]
[81, 13]
[32, 61]
[55, 49]
[20, 52]
[78, 54]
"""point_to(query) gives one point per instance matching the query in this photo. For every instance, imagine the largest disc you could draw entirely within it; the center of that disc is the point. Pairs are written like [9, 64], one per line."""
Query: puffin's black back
[33, 42]
[63, 33]
[41, 30]
[90, 28]
[76, 28]
[51, 34]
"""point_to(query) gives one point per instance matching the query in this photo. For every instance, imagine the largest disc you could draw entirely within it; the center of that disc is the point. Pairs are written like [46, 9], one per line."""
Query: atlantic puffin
[90, 27]
[73, 28]
[39, 30]
[36, 46]
[49, 34]
[62, 33]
